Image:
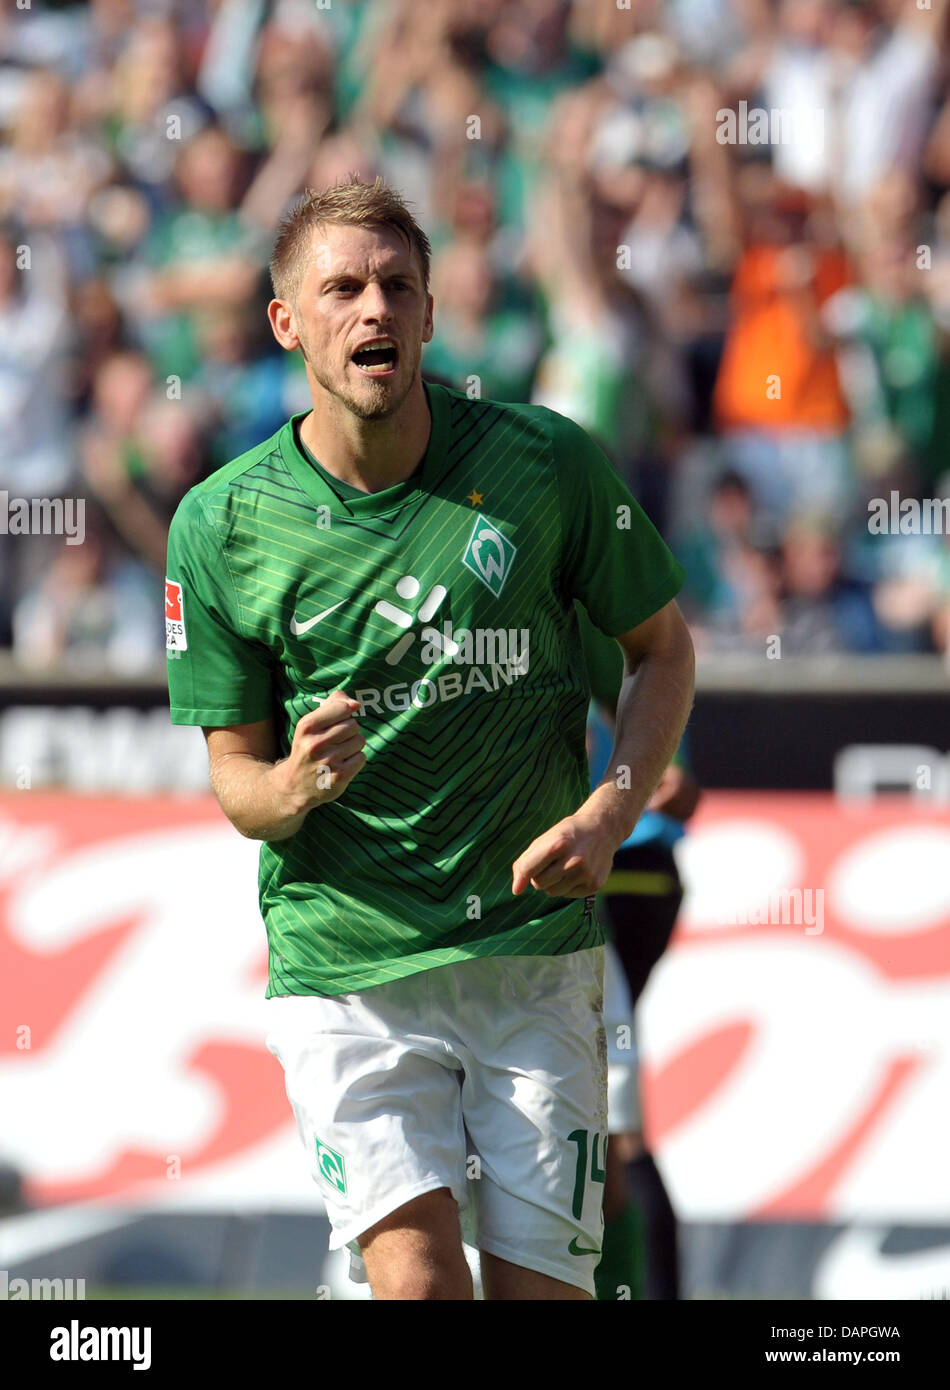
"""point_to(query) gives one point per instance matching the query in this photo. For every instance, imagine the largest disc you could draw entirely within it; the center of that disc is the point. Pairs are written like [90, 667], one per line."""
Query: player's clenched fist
[571, 860]
[326, 753]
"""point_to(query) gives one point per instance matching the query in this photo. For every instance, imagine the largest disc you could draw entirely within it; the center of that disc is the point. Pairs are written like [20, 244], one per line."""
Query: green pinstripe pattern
[411, 867]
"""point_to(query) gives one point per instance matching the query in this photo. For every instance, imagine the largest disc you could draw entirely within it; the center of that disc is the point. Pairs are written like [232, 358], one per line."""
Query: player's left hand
[571, 860]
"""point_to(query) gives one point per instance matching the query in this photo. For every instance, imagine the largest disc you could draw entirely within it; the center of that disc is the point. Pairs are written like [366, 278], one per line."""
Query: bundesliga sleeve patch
[175, 640]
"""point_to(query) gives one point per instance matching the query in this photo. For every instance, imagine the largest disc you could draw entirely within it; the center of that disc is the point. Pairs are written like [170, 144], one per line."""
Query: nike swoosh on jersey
[580, 1250]
[299, 628]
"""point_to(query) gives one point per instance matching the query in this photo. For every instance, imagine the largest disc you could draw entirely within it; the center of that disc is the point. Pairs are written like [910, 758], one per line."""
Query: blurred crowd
[716, 233]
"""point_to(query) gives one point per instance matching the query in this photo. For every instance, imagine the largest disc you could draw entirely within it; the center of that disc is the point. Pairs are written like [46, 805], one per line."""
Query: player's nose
[376, 304]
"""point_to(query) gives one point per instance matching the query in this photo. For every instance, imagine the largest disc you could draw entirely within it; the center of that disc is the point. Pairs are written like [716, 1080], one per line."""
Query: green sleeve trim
[218, 718]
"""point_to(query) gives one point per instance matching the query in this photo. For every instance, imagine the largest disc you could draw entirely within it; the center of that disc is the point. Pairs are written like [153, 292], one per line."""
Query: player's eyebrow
[340, 275]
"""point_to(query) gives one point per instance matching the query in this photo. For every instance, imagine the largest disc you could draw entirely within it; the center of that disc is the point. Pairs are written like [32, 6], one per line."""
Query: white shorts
[624, 1110]
[488, 1077]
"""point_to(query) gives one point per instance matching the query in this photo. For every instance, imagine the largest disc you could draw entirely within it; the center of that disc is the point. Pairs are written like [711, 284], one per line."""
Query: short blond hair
[349, 203]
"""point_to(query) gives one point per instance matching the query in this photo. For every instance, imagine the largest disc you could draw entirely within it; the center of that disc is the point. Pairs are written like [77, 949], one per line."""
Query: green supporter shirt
[445, 605]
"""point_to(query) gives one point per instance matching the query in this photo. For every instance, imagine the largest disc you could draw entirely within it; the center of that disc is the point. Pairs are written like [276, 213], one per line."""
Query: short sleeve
[216, 675]
[613, 558]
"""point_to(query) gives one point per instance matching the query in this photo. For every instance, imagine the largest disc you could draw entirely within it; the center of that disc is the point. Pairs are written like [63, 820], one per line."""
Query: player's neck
[369, 454]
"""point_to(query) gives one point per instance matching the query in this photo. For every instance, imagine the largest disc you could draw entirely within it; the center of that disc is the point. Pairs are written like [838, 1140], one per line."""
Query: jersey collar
[321, 491]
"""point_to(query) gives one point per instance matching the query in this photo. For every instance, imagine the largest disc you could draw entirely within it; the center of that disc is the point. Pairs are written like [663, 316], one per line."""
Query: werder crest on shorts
[330, 1166]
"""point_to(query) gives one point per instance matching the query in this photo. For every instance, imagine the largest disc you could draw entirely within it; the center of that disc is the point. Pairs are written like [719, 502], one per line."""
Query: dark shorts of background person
[640, 901]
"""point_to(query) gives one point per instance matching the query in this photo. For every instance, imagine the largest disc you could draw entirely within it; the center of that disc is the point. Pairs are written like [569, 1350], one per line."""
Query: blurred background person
[477, 334]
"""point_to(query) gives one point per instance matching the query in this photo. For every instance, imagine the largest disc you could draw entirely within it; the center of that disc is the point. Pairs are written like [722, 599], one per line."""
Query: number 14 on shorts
[587, 1144]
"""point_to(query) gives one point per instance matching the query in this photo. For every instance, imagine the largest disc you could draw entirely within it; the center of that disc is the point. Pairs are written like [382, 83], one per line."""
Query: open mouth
[377, 360]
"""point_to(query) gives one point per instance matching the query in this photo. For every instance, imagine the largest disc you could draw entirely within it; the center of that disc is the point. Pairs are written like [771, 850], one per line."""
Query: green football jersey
[445, 606]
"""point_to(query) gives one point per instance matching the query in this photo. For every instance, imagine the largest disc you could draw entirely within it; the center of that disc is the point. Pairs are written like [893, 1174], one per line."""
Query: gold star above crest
[476, 498]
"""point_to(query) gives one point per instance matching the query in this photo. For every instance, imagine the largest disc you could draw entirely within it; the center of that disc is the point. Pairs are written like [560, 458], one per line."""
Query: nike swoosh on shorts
[580, 1249]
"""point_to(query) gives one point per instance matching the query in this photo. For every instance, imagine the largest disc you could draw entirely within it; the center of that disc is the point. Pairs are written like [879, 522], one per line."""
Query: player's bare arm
[268, 798]
[573, 858]
[677, 793]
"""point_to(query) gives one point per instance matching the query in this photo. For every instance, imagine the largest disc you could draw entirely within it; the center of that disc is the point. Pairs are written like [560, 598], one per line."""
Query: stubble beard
[380, 402]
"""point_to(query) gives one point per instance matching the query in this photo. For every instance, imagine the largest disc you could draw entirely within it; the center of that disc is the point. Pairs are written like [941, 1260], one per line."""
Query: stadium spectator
[707, 552]
[778, 398]
[475, 334]
[89, 611]
[824, 610]
[247, 389]
[149, 106]
[35, 450]
[894, 364]
[608, 366]
[50, 168]
[140, 451]
[200, 254]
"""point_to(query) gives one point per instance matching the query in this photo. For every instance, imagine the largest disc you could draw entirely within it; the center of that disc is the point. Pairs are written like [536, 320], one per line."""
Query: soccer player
[371, 615]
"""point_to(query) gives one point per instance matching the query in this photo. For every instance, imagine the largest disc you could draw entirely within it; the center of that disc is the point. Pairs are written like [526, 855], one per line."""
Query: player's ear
[280, 315]
[428, 329]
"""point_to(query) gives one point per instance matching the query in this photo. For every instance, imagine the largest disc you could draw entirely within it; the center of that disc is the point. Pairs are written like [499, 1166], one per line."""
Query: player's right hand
[326, 753]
